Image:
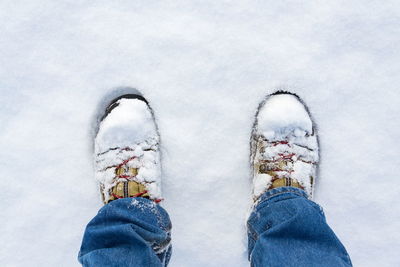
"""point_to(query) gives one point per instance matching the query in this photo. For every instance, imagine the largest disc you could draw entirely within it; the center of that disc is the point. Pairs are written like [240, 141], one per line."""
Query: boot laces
[126, 175]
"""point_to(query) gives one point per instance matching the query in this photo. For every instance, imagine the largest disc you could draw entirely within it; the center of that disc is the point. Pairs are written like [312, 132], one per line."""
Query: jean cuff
[281, 190]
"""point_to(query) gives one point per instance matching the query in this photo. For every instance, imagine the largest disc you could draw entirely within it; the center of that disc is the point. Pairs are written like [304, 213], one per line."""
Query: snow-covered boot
[284, 145]
[127, 157]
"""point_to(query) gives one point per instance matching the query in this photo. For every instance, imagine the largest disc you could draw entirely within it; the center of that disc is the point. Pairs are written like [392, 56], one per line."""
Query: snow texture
[204, 66]
[283, 115]
[129, 123]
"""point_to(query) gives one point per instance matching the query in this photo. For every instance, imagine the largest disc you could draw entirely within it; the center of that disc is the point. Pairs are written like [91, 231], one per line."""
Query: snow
[204, 66]
[283, 115]
[261, 182]
[130, 122]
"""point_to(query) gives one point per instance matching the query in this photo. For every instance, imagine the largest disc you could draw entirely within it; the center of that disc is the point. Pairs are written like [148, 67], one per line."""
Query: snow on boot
[127, 157]
[284, 145]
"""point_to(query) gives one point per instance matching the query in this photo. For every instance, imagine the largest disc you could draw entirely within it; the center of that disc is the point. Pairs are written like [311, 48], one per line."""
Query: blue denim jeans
[287, 229]
[127, 232]
[284, 229]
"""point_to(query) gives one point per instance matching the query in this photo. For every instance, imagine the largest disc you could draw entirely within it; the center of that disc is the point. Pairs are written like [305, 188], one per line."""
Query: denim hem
[279, 191]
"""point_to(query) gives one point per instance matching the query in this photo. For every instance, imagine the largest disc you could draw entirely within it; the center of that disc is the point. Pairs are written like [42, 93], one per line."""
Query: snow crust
[127, 124]
[261, 182]
[204, 66]
[283, 115]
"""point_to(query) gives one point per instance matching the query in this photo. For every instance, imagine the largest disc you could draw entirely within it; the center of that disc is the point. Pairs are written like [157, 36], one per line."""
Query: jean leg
[287, 229]
[127, 232]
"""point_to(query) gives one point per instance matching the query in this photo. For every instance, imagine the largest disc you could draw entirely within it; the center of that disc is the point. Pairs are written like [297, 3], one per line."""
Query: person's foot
[284, 145]
[127, 157]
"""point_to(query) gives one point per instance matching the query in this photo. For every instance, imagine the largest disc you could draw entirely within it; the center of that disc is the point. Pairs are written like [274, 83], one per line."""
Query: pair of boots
[284, 148]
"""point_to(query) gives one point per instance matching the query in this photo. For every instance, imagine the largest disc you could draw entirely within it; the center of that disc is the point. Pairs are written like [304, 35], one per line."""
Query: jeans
[284, 229]
[127, 232]
[287, 229]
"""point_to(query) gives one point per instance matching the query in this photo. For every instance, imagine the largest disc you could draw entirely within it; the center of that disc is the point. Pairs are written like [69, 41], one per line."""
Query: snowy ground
[204, 66]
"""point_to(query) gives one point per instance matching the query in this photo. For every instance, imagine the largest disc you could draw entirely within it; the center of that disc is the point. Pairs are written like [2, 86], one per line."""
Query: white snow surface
[204, 66]
[283, 115]
[127, 124]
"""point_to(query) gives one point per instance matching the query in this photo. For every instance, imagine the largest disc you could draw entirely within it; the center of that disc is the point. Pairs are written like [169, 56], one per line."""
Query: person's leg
[287, 229]
[127, 232]
[131, 229]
